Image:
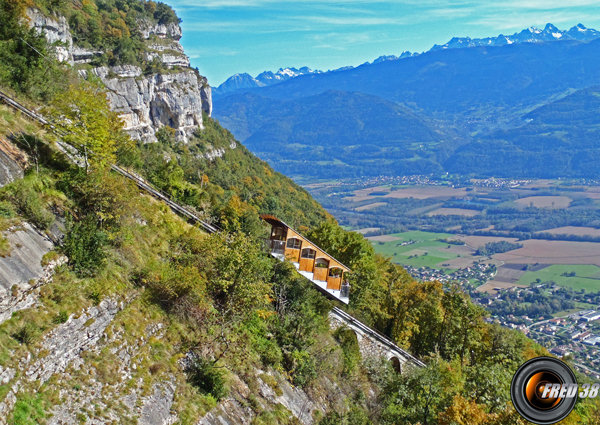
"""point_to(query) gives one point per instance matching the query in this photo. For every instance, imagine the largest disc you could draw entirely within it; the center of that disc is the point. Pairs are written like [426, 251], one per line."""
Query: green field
[578, 307]
[437, 252]
[586, 276]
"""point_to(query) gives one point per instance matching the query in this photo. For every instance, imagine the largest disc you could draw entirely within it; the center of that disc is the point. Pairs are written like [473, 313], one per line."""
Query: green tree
[84, 118]
[420, 394]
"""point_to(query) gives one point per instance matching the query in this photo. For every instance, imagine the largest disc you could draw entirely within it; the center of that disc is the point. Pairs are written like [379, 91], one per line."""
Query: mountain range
[266, 78]
[519, 109]
[529, 35]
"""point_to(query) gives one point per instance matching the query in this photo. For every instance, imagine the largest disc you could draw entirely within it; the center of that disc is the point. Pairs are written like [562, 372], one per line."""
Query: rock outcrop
[57, 32]
[13, 162]
[177, 96]
[21, 272]
[147, 103]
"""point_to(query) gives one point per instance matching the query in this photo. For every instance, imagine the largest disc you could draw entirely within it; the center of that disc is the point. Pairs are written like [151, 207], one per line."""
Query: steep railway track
[140, 182]
[190, 216]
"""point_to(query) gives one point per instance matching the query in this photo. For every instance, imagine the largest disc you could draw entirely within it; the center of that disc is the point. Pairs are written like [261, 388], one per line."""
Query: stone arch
[396, 364]
[349, 340]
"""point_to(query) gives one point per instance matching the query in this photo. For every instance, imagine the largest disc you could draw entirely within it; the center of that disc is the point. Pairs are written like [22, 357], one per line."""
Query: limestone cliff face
[12, 162]
[21, 272]
[176, 97]
[56, 30]
[148, 102]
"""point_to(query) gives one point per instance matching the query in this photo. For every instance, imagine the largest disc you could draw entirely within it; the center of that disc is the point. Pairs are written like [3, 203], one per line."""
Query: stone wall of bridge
[371, 343]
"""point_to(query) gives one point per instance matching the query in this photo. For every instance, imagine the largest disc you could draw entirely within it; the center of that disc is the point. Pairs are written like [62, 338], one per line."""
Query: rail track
[190, 216]
[140, 182]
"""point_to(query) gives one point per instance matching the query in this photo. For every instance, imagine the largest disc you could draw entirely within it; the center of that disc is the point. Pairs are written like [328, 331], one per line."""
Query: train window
[293, 243]
[309, 253]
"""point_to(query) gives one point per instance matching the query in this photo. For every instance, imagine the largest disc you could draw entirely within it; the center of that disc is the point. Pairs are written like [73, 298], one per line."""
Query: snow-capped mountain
[529, 35]
[405, 54]
[266, 78]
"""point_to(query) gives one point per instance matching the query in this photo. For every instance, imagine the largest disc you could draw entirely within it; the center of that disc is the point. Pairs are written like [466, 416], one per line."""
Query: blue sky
[224, 37]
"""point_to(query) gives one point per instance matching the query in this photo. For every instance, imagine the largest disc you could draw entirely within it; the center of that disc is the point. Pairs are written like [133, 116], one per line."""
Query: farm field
[491, 285]
[586, 276]
[453, 211]
[427, 251]
[546, 260]
[545, 201]
[578, 307]
[417, 192]
[364, 194]
[572, 230]
[553, 252]
[480, 241]
[367, 230]
[370, 206]
[425, 192]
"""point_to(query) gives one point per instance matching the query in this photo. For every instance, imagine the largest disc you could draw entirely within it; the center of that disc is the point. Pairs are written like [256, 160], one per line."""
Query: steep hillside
[467, 93]
[115, 310]
[352, 134]
[160, 100]
[558, 139]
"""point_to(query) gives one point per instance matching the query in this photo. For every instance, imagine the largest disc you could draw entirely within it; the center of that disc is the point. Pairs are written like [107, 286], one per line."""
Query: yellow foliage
[464, 412]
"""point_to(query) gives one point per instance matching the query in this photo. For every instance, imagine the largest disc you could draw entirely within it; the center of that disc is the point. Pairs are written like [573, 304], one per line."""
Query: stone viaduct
[372, 343]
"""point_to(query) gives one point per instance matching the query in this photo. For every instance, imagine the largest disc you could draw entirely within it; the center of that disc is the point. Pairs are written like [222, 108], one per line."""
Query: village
[476, 274]
[574, 336]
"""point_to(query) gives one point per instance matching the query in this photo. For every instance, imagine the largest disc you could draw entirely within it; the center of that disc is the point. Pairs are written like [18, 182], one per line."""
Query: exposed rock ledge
[12, 163]
[21, 272]
[147, 103]
[56, 30]
[176, 98]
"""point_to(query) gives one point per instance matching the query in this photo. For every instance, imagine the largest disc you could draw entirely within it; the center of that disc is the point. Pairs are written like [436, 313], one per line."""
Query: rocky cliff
[176, 96]
[12, 162]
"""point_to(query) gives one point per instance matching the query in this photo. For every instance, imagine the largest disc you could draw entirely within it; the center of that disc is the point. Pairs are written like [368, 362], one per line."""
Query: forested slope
[474, 101]
[557, 139]
[154, 321]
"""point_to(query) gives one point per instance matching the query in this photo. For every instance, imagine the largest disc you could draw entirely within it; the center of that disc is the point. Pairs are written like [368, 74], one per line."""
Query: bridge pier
[371, 343]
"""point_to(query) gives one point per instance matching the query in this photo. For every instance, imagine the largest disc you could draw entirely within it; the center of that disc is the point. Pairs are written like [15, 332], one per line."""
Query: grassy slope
[425, 242]
[587, 276]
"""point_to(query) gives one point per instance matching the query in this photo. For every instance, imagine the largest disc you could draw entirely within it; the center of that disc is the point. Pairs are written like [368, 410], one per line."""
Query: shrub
[203, 375]
[26, 334]
[61, 317]
[49, 257]
[349, 343]
[7, 210]
[304, 370]
[84, 246]
[24, 197]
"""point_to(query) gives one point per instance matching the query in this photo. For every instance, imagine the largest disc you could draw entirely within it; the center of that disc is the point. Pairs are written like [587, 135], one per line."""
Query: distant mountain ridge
[529, 35]
[474, 111]
[265, 78]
